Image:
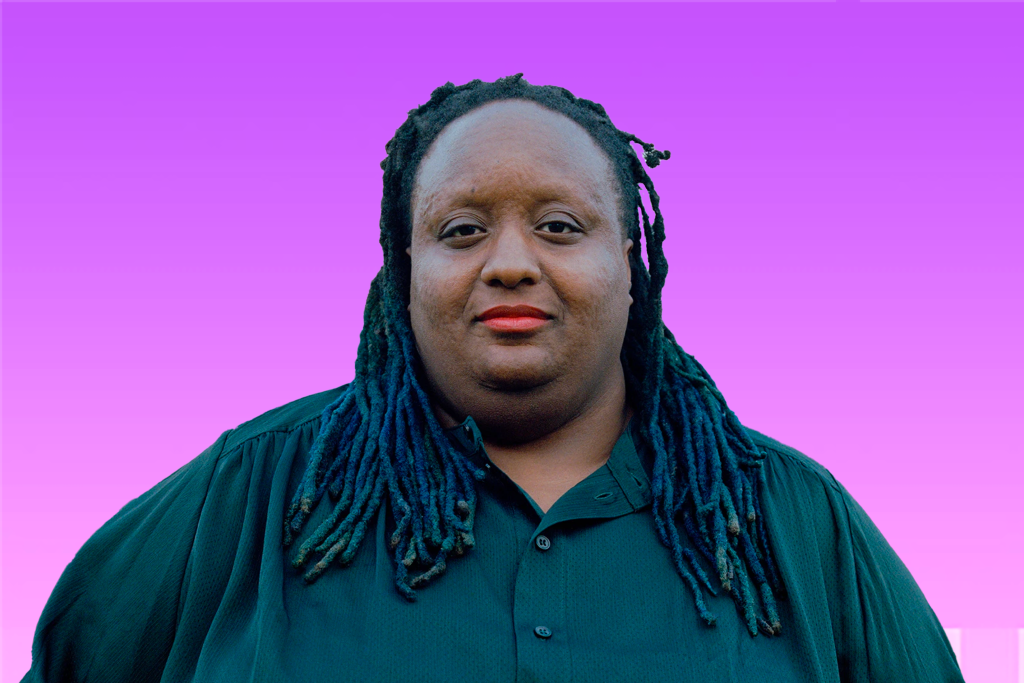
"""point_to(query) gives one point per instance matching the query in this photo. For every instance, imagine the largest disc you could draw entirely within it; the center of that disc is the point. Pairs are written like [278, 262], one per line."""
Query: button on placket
[539, 607]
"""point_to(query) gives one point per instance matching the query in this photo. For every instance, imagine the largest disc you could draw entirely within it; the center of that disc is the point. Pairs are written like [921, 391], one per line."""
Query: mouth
[513, 318]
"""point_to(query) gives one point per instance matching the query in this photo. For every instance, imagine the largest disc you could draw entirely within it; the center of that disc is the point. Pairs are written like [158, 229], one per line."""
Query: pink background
[191, 202]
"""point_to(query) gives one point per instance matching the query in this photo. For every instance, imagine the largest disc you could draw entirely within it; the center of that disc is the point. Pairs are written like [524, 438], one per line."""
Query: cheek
[598, 295]
[436, 297]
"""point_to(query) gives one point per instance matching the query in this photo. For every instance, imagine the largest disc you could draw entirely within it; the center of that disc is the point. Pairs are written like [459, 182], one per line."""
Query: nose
[511, 260]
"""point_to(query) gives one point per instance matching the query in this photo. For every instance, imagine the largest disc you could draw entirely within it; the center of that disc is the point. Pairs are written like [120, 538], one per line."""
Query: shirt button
[543, 542]
[542, 632]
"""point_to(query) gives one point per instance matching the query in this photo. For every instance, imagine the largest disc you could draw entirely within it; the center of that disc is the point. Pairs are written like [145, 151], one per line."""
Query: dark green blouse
[190, 582]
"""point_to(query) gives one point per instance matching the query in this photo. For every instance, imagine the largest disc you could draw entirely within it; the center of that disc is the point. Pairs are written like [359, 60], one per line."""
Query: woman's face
[519, 264]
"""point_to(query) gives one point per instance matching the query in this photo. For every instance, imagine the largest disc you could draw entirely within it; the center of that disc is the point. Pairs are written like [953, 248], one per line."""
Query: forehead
[513, 144]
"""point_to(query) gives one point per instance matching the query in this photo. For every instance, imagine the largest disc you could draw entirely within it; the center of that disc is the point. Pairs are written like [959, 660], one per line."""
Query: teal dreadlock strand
[380, 440]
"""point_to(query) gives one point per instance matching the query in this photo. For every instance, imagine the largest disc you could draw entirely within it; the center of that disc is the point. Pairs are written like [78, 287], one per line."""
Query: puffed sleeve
[900, 638]
[852, 609]
[113, 614]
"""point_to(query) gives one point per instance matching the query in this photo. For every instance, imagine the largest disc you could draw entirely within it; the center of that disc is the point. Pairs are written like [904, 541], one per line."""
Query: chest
[582, 600]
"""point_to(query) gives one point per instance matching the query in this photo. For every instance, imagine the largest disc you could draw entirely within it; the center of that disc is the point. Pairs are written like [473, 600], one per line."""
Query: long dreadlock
[381, 441]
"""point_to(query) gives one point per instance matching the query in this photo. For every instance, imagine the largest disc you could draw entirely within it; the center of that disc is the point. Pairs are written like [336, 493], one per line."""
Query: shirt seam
[854, 554]
[824, 477]
[209, 483]
[260, 435]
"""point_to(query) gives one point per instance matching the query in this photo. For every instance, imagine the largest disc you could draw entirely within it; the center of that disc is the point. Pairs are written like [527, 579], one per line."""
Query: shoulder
[805, 505]
[799, 465]
[812, 517]
[286, 418]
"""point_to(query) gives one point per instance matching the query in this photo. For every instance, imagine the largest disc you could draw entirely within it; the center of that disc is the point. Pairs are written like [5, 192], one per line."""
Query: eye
[461, 230]
[558, 228]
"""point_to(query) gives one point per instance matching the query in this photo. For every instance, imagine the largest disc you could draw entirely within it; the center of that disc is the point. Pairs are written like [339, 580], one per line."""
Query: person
[528, 479]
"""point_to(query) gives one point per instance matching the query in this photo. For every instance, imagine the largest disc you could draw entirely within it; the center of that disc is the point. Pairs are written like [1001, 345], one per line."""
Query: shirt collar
[631, 471]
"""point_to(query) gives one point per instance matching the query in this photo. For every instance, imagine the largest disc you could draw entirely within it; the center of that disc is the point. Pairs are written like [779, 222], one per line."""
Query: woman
[528, 479]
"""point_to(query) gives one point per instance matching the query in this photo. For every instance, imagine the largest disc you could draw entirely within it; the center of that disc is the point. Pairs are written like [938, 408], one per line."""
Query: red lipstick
[513, 318]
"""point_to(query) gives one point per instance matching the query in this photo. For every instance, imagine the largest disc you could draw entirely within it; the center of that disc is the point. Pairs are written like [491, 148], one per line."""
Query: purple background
[191, 201]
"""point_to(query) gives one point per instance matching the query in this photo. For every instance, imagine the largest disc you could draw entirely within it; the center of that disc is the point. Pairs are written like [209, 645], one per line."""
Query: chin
[517, 377]
[517, 371]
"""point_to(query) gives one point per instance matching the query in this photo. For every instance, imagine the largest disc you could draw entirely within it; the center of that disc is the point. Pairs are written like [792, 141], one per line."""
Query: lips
[513, 318]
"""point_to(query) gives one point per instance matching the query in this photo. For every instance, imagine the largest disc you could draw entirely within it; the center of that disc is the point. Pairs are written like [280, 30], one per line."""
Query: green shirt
[190, 582]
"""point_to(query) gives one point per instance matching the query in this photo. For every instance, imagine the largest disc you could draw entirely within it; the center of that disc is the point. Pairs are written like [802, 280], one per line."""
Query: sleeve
[113, 614]
[892, 631]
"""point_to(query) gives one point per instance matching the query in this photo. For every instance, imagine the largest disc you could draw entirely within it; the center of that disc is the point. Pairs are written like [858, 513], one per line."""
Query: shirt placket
[542, 590]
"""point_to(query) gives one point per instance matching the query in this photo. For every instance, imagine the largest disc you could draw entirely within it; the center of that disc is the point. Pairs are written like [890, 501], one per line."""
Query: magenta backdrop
[191, 204]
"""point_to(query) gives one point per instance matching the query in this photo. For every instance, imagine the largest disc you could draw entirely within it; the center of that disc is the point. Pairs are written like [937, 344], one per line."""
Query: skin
[515, 204]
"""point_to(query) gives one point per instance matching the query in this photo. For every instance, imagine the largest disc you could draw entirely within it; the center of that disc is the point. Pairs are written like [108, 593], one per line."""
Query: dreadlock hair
[380, 440]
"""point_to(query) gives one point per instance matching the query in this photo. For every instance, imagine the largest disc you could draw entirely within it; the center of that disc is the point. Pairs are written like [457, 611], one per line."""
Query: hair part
[380, 440]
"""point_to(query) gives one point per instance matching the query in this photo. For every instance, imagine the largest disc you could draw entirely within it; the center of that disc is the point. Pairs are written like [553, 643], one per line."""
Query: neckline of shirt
[626, 465]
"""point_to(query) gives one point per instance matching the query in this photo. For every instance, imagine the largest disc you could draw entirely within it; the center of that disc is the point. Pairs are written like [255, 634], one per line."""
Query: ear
[408, 251]
[627, 248]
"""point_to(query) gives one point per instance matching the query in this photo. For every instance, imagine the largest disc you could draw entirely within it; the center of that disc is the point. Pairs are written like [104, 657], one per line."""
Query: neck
[548, 467]
[551, 463]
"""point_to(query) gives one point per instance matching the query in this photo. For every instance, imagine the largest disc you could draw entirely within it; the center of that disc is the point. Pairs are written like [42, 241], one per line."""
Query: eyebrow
[545, 194]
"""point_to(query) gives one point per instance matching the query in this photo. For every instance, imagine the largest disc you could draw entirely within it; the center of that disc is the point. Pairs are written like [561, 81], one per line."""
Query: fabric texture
[191, 582]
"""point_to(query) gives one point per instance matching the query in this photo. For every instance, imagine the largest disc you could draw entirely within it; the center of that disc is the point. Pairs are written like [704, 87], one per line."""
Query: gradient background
[192, 192]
